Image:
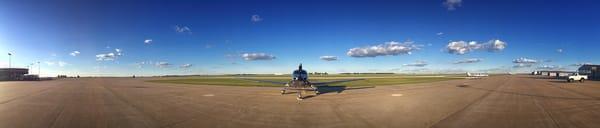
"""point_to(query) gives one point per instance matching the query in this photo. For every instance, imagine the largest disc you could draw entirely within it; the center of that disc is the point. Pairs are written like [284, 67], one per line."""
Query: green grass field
[367, 80]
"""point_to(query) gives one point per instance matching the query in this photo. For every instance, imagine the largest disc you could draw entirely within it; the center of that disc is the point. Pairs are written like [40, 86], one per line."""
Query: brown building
[13, 73]
[592, 71]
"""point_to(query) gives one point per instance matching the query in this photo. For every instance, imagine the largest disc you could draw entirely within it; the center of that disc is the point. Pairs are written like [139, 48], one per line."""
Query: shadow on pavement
[338, 89]
[330, 89]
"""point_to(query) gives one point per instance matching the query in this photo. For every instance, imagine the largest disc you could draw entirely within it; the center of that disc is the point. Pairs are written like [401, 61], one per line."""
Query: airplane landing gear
[299, 95]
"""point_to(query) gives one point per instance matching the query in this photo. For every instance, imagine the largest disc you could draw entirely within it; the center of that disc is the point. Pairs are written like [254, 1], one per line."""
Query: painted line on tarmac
[398, 94]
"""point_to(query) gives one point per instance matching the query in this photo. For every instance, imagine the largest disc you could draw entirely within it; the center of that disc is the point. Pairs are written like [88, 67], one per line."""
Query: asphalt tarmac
[517, 101]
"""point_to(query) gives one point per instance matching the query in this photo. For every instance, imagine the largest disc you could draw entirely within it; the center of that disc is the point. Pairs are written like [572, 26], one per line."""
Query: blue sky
[222, 37]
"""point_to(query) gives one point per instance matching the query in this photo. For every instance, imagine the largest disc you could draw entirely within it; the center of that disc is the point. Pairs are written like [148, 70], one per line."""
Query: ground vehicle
[576, 76]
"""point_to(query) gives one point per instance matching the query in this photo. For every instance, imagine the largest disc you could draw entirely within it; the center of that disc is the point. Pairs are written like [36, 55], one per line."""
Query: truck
[577, 77]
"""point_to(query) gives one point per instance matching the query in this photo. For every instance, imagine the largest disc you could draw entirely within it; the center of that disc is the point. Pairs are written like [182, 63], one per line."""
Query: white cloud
[255, 18]
[470, 60]
[522, 65]
[49, 63]
[147, 41]
[106, 57]
[74, 53]
[186, 66]
[62, 63]
[257, 56]
[182, 29]
[388, 48]
[162, 64]
[328, 58]
[580, 64]
[417, 64]
[439, 33]
[559, 50]
[551, 67]
[452, 4]
[463, 47]
[524, 60]
[109, 56]
[57, 63]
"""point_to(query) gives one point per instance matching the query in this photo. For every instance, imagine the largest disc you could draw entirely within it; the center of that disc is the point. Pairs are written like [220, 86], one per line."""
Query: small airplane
[300, 83]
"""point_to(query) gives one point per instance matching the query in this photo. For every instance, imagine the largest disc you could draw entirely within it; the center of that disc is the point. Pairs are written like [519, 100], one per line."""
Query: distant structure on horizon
[592, 71]
[13, 73]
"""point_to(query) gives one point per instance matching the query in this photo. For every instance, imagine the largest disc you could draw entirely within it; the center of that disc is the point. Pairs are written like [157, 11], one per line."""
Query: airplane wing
[265, 81]
[335, 81]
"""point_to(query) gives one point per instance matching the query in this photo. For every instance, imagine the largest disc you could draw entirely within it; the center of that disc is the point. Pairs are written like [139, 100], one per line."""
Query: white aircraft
[476, 75]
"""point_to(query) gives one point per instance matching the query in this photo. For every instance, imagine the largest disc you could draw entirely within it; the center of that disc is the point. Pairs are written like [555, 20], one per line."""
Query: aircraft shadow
[338, 89]
[330, 89]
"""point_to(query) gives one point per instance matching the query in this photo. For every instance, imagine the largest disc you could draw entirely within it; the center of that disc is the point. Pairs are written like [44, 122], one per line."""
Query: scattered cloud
[524, 60]
[467, 61]
[186, 66]
[522, 65]
[49, 63]
[416, 70]
[463, 47]
[546, 67]
[109, 56]
[62, 63]
[147, 41]
[139, 64]
[386, 49]
[257, 56]
[559, 50]
[580, 64]
[57, 63]
[256, 18]
[328, 58]
[106, 57]
[162, 64]
[417, 64]
[182, 29]
[439, 33]
[452, 4]
[74, 53]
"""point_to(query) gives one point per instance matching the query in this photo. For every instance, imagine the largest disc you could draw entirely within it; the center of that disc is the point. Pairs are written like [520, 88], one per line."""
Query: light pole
[39, 68]
[9, 55]
[29, 68]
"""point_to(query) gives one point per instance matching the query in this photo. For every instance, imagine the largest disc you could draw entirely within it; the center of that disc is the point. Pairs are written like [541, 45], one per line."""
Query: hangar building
[13, 73]
[592, 71]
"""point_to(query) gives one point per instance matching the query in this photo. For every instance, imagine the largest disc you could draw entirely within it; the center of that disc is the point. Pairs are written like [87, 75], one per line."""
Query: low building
[13, 73]
[557, 74]
[592, 71]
